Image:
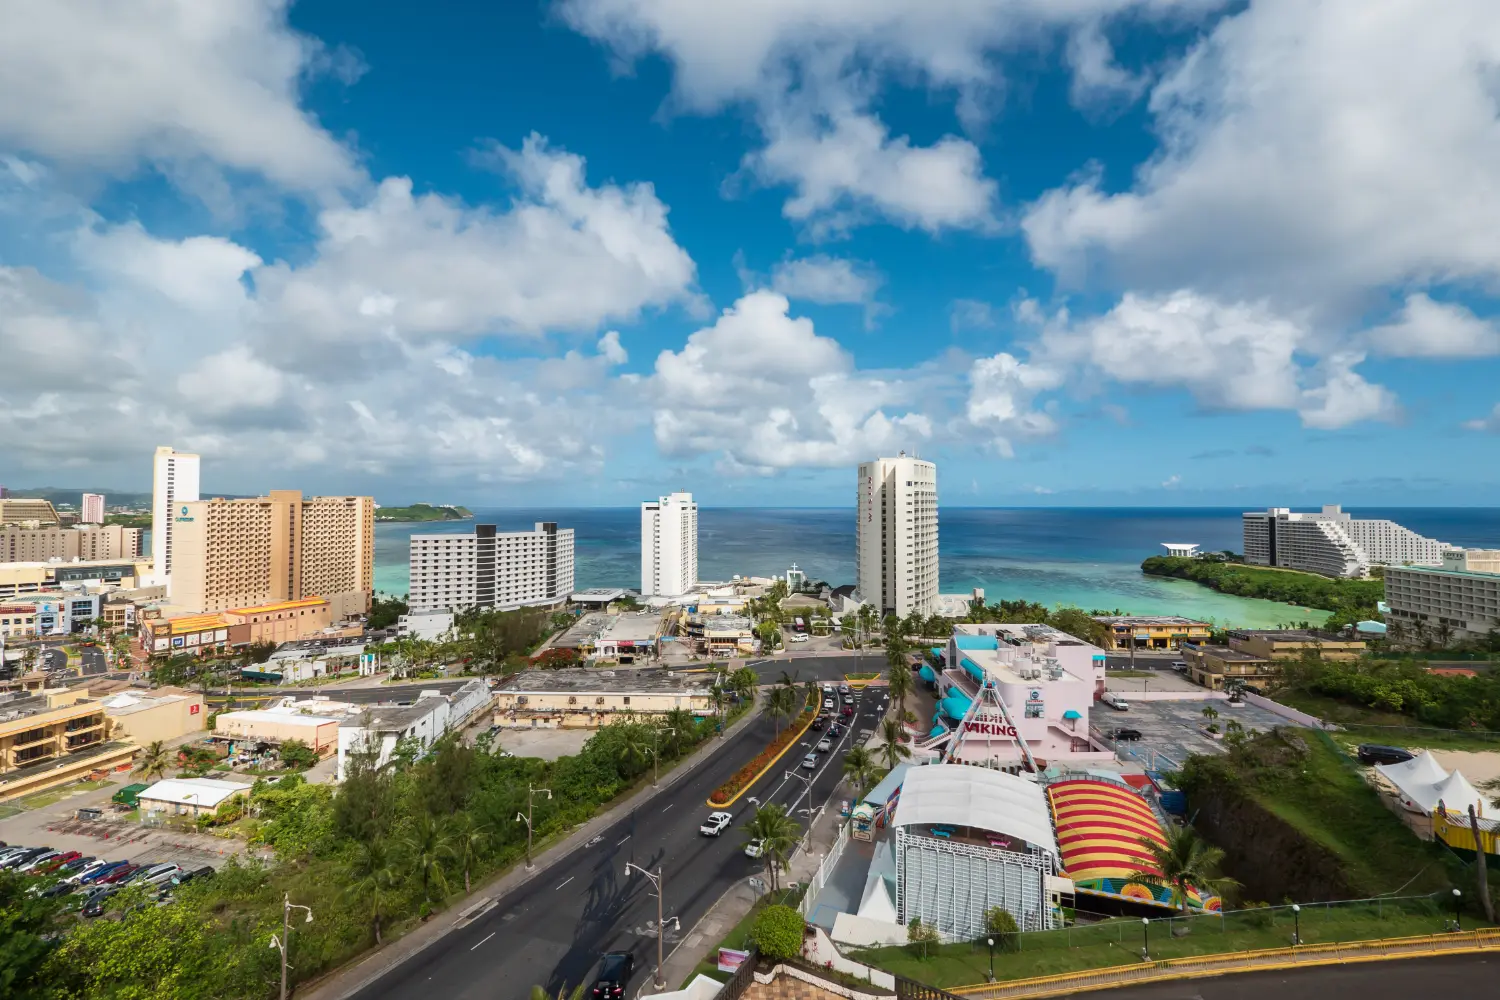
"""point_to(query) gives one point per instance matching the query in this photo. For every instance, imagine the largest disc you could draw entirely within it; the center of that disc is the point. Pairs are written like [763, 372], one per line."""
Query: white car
[825, 745]
[828, 704]
[715, 824]
[810, 762]
[800, 637]
[753, 849]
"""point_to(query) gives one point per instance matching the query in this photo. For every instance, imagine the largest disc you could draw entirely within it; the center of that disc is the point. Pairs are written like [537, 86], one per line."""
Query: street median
[745, 778]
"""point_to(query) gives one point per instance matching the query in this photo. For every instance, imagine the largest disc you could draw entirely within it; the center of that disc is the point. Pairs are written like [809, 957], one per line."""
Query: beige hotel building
[230, 554]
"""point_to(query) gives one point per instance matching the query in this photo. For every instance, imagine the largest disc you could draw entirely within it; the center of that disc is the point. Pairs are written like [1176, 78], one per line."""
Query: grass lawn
[1369, 725]
[869, 676]
[1131, 673]
[1119, 942]
[1331, 803]
[738, 938]
[6, 811]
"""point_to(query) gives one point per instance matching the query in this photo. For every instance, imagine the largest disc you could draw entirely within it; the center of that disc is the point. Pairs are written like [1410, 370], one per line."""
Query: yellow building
[1152, 631]
[159, 715]
[243, 553]
[53, 737]
[1213, 666]
[1288, 644]
[586, 697]
[187, 634]
[284, 621]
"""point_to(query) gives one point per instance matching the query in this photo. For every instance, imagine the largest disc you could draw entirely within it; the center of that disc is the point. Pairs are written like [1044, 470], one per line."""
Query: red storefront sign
[982, 728]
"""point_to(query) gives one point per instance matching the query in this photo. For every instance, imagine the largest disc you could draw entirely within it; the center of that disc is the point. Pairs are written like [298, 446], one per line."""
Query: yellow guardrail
[1221, 963]
[765, 770]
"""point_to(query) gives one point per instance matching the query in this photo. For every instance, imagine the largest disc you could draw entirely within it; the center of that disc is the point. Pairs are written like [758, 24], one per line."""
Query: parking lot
[1173, 730]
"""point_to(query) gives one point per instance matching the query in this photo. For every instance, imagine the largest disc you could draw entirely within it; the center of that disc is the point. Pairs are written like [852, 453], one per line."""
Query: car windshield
[613, 968]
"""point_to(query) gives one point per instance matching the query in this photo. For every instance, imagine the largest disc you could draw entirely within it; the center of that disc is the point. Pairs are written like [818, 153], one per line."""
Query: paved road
[1459, 976]
[553, 929]
[93, 661]
[820, 668]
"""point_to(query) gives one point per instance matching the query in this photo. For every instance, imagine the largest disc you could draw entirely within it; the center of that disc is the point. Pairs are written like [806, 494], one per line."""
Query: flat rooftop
[391, 718]
[297, 605]
[1289, 635]
[1225, 653]
[599, 595]
[584, 680]
[635, 627]
[264, 715]
[187, 623]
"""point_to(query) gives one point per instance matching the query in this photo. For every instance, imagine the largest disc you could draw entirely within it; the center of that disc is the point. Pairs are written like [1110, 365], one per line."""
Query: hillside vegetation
[422, 512]
[1349, 600]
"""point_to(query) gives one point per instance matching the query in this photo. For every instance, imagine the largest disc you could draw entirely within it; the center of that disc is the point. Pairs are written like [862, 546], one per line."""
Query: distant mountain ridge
[423, 512]
[112, 498]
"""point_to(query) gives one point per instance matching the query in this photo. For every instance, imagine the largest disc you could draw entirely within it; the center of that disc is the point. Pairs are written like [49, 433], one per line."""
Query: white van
[1116, 701]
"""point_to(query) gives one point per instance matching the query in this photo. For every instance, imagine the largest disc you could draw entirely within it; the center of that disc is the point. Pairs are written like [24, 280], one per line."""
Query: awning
[1071, 714]
[926, 674]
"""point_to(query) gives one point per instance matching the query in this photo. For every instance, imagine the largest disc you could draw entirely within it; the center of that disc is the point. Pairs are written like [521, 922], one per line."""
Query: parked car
[94, 906]
[1376, 753]
[810, 762]
[25, 857]
[1116, 701]
[1180, 666]
[46, 865]
[207, 871]
[824, 745]
[160, 875]
[615, 970]
[57, 889]
[1125, 734]
[76, 865]
[800, 637]
[716, 823]
[120, 874]
[94, 872]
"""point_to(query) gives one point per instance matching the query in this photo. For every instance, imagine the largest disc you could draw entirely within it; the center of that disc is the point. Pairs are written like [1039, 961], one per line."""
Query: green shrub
[777, 932]
[1000, 925]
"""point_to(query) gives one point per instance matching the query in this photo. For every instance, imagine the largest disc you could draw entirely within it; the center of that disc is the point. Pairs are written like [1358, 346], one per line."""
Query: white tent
[1422, 782]
[1423, 769]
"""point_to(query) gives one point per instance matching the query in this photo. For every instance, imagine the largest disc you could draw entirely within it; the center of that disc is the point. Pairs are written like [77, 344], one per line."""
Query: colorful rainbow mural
[1100, 826]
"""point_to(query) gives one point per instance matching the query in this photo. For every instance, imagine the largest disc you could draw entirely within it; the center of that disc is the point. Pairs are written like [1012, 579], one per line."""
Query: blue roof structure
[977, 641]
[926, 674]
[881, 793]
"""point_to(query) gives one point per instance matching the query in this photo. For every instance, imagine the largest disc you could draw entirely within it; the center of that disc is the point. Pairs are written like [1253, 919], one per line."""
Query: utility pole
[656, 882]
[284, 942]
[1484, 878]
[656, 751]
[531, 790]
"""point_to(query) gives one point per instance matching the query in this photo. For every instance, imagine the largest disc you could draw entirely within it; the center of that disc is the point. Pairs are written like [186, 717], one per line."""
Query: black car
[1375, 753]
[1125, 734]
[95, 904]
[820, 722]
[615, 970]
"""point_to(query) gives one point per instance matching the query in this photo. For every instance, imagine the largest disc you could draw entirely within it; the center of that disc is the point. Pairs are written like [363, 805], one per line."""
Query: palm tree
[1185, 861]
[636, 744]
[776, 833]
[469, 840]
[371, 879]
[859, 768]
[1444, 634]
[154, 762]
[427, 847]
[899, 684]
[744, 681]
[893, 751]
[779, 706]
[1210, 713]
[540, 993]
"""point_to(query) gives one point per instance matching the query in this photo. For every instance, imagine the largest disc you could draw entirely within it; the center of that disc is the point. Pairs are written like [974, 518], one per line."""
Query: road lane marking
[486, 938]
[565, 882]
[622, 840]
[669, 805]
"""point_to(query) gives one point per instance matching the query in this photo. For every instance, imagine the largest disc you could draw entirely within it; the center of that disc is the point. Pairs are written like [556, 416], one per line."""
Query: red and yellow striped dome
[1099, 829]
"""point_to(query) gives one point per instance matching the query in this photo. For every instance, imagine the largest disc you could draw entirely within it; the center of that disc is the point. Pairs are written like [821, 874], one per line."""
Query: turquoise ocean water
[1089, 557]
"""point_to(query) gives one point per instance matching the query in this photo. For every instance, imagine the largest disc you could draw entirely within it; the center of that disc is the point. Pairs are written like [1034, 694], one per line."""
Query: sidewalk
[362, 972]
[732, 907]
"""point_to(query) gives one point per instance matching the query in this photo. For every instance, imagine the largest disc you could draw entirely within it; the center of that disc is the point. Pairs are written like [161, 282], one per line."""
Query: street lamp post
[283, 943]
[656, 751]
[1145, 939]
[991, 943]
[1458, 902]
[656, 883]
[531, 790]
[1296, 924]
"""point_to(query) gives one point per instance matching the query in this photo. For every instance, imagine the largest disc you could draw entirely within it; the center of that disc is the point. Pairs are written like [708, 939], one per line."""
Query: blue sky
[585, 251]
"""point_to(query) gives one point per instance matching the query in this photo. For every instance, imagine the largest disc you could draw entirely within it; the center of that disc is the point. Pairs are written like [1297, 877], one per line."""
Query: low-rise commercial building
[1152, 631]
[721, 634]
[26, 578]
[1254, 656]
[18, 620]
[52, 737]
[1215, 666]
[588, 697]
[188, 796]
[429, 627]
[273, 727]
[630, 638]
[281, 621]
[64, 612]
[157, 715]
[187, 634]
[1462, 596]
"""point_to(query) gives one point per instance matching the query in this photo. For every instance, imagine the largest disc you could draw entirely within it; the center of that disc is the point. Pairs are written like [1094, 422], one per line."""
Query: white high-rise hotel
[174, 481]
[486, 568]
[669, 545]
[896, 560]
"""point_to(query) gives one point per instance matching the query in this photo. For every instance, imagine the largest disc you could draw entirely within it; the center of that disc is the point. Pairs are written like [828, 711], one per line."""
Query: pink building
[93, 509]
